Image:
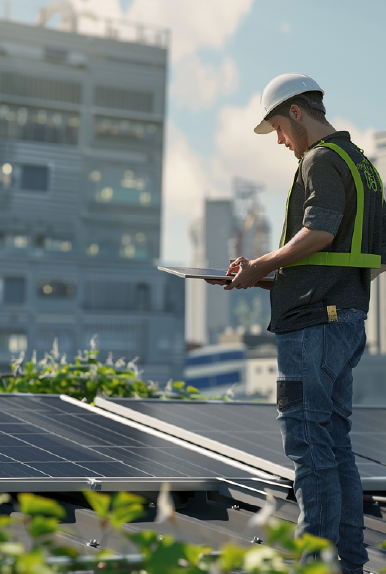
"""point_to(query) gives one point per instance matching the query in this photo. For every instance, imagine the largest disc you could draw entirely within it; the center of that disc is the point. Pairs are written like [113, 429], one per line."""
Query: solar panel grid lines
[118, 454]
[46, 467]
[277, 464]
[245, 430]
[193, 447]
[52, 469]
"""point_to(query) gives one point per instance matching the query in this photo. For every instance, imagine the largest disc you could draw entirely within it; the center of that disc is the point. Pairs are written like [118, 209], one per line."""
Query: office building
[230, 227]
[81, 143]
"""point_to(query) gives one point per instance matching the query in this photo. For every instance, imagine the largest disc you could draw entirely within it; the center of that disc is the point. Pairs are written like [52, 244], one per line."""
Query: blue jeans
[314, 395]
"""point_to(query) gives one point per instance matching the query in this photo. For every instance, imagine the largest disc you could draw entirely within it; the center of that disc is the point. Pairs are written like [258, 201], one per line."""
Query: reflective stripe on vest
[355, 258]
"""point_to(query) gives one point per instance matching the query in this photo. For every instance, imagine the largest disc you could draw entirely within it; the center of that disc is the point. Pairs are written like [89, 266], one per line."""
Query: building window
[121, 99]
[39, 124]
[15, 241]
[34, 177]
[109, 295]
[26, 177]
[143, 297]
[56, 289]
[134, 245]
[63, 245]
[13, 342]
[116, 184]
[39, 87]
[117, 130]
[12, 290]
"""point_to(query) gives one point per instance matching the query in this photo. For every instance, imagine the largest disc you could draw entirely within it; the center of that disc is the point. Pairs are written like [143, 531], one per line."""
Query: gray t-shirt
[324, 198]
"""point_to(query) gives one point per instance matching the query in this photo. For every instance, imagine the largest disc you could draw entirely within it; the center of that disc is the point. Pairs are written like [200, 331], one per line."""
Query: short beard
[300, 136]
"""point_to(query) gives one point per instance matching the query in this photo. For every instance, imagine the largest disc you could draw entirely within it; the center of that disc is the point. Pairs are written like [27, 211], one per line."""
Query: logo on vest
[368, 171]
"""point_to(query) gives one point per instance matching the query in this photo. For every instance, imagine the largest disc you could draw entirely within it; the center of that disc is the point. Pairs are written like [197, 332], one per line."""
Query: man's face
[290, 133]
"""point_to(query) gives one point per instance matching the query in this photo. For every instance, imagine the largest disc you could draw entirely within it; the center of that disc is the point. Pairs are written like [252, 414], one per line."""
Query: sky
[222, 54]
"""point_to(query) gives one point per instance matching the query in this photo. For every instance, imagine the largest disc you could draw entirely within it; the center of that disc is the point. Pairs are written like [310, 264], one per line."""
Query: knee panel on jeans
[289, 395]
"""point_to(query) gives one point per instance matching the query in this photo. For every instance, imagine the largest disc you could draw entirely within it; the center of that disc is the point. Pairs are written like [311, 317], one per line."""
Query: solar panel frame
[206, 430]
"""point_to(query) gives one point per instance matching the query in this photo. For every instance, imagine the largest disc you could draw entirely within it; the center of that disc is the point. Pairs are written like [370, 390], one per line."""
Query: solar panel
[368, 435]
[49, 443]
[249, 432]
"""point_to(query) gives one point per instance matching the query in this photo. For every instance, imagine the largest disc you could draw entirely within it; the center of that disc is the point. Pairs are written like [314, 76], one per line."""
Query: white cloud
[363, 139]
[185, 175]
[239, 151]
[193, 24]
[198, 85]
[101, 8]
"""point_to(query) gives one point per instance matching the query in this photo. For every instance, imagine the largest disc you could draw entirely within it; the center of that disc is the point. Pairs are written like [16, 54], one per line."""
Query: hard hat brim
[263, 127]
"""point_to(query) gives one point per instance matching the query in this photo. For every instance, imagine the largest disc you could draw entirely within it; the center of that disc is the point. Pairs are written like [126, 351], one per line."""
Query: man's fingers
[217, 281]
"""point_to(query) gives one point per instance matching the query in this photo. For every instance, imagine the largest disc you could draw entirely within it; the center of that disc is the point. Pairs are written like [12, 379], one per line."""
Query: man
[331, 240]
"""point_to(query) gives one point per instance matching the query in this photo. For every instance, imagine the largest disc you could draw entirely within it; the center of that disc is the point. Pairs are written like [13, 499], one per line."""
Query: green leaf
[12, 548]
[40, 526]
[192, 390]
[65, 551]
[126, 507]
[32, 563]
[264, 559]
[145, 540]
[129, 514]
[99, 502]
[122, 499]
[179, 385]
[34, 504]
[309, 543]
[194, 553]
[4, 498]
[164, 559]
[232, 557]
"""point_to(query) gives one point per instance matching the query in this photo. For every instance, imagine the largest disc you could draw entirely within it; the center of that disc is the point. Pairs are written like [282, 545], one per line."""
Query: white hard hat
[279, 90]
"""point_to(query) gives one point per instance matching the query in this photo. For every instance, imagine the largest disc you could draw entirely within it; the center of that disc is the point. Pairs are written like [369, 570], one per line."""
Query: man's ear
[296, 112]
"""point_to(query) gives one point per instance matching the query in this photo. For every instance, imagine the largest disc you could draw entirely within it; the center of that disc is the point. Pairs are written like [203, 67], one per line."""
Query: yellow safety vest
[355, 258]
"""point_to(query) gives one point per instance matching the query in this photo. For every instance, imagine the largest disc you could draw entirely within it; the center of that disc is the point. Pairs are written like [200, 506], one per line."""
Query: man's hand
[248, 274]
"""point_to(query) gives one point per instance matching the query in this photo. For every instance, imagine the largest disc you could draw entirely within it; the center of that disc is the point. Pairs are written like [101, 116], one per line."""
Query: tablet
[198, 273]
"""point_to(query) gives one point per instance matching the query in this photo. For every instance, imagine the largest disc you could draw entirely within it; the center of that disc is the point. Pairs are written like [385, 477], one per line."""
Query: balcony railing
[61, 15]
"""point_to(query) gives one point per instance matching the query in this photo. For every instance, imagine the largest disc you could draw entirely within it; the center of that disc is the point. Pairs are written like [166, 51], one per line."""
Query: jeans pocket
[289, 394]
[343, 344]
[358, 352]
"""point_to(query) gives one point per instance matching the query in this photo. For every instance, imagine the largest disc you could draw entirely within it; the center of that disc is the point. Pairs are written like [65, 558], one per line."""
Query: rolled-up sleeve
[322, 219]
[323, 176]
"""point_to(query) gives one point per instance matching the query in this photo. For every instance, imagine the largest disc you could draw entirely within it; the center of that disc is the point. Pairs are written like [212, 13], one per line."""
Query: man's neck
[317, 131]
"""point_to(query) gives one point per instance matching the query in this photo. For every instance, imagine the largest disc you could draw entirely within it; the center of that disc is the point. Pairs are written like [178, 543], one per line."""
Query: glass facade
[135, 245]
[122, 185]
[13, 342]
[56, 289]
[25, 177]
[39, 124]
[117, 130]
[12, 290]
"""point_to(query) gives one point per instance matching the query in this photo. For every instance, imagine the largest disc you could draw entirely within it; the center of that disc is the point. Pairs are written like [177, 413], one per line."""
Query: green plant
[85, 378]
[158, 554]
